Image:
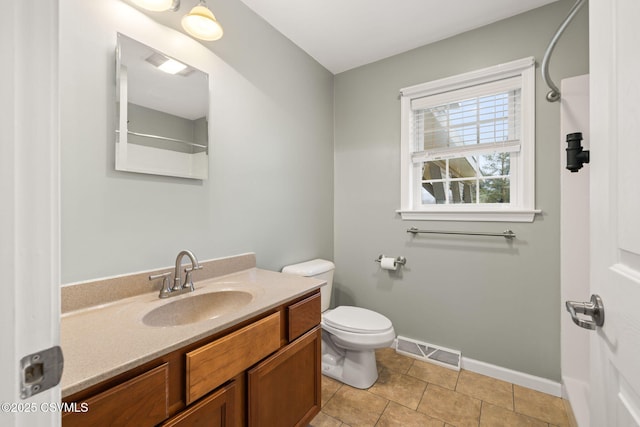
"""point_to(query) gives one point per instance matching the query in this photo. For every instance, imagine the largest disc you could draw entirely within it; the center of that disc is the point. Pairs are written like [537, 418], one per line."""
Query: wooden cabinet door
[284, 389]
[216, 410]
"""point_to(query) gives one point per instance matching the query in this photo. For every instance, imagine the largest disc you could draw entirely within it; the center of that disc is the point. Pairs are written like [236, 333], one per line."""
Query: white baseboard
[519, 378]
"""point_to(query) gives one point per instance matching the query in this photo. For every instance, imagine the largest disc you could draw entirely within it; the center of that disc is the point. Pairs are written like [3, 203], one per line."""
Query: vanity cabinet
[262, 372]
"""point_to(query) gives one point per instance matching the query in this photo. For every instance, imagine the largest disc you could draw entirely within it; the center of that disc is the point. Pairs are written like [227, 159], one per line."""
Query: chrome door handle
[593, 309]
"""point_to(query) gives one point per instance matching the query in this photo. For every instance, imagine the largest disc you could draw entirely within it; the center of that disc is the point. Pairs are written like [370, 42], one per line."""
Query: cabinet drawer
[213, 364]
[141, 401]
[303, 316]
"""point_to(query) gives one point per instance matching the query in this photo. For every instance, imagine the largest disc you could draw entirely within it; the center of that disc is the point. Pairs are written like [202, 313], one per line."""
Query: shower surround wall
[496, 302]
[270, 186]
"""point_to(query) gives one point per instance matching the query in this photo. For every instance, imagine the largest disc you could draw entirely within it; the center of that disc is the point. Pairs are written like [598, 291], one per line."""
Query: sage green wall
[281, 124]
[496, 302]
[270, 186]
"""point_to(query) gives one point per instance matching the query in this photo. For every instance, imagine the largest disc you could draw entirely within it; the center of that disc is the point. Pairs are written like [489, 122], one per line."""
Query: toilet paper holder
[399, 260]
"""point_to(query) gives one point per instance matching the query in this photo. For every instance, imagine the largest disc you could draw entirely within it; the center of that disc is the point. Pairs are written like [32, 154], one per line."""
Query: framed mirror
[163, 113]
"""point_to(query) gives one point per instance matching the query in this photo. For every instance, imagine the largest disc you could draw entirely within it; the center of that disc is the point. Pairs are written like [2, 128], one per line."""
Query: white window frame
[522, 203]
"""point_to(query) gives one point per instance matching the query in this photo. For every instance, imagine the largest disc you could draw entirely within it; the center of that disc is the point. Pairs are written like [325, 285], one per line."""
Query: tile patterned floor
[412, 393]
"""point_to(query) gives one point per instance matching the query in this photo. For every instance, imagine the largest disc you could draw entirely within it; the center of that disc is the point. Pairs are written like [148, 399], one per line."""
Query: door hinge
[40, 371]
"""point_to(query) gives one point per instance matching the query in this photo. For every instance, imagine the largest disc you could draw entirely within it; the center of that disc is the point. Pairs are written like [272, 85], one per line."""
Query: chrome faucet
[167, 290]
[177, 278]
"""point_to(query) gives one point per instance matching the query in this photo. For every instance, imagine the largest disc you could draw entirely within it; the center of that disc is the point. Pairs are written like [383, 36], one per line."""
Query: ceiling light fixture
[158, 5]
[201, 24]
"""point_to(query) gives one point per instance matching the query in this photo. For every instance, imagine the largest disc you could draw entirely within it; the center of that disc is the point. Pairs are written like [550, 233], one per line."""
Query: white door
[29, 200]
[615, 210]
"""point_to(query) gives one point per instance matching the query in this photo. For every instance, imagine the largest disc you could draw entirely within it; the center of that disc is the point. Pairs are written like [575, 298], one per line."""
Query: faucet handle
[165, 290]
[188, 282]
[159, 275]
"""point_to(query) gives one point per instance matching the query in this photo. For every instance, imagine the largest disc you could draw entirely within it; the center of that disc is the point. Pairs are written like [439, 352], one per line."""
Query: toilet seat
[356, 320]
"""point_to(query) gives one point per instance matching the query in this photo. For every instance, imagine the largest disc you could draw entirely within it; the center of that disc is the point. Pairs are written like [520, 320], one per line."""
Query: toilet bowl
[350, 335]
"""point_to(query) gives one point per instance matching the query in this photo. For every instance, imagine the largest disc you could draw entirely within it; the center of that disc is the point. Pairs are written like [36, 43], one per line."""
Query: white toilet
[350, 335]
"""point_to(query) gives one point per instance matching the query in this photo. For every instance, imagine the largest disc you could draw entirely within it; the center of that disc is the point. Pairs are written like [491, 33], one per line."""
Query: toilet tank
[318, 269]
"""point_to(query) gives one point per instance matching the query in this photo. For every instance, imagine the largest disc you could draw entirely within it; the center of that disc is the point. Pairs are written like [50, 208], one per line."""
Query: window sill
[494, 215]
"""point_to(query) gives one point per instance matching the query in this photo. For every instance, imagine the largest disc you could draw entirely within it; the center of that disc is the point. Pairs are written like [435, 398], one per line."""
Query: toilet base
[356, 368]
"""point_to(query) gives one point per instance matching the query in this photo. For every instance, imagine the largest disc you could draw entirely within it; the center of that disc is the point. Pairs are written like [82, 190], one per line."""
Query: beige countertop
[103, 341]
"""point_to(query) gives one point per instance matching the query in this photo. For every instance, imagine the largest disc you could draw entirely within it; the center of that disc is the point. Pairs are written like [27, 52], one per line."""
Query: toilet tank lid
[309, 268]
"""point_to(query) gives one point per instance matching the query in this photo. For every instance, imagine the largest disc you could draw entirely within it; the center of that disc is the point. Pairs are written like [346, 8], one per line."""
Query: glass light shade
[157, 5]
[201, 24]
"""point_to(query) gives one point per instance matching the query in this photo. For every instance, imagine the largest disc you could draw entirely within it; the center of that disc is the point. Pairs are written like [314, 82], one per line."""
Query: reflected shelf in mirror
[164, 138]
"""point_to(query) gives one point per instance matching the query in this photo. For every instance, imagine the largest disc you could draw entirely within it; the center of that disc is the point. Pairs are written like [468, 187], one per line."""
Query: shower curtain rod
[554, 94]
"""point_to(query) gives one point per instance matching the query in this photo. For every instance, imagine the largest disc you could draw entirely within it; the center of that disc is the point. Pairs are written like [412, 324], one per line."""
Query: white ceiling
[182, 96]
[344, 34]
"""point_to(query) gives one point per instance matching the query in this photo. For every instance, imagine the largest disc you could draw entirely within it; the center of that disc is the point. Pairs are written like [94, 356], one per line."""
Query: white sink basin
[197, 308]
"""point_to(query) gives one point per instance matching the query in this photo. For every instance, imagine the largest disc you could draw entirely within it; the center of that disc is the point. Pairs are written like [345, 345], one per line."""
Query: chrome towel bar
[507, 234]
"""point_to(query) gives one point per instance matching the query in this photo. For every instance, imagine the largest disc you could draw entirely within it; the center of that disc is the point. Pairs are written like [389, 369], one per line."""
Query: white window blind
[478, 120]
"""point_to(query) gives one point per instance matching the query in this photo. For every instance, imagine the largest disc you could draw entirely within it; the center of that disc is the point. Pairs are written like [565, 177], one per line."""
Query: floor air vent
[429, 353]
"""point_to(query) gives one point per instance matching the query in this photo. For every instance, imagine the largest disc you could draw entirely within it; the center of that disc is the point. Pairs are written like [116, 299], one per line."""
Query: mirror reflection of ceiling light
[201, 24]
[168, 65]
[172, 66]
[158, 5]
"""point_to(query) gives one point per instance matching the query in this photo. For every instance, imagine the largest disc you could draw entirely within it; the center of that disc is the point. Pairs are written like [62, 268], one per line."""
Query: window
[468, 146]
